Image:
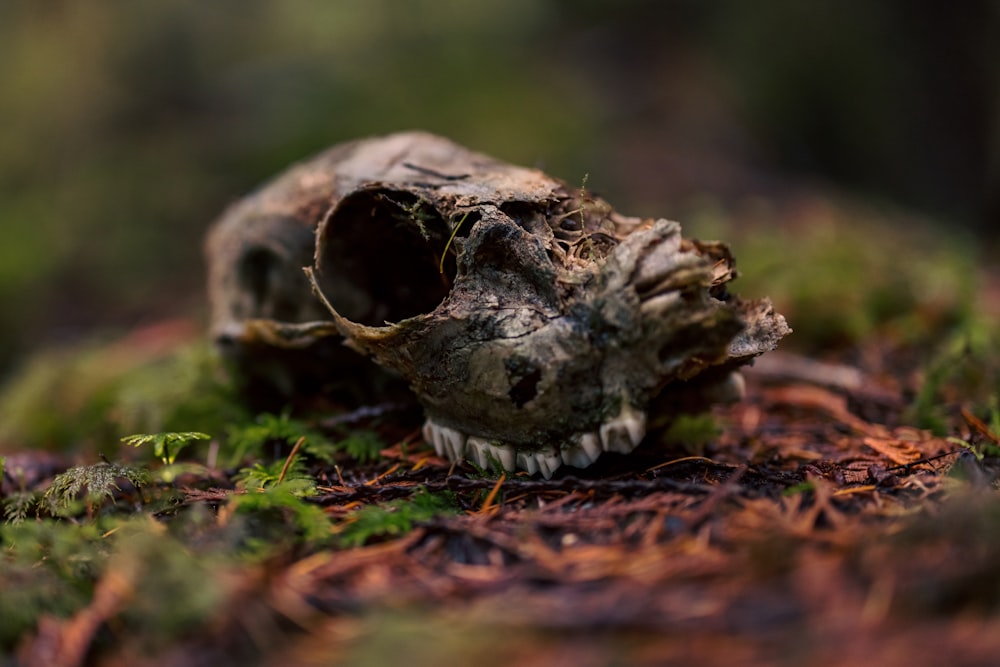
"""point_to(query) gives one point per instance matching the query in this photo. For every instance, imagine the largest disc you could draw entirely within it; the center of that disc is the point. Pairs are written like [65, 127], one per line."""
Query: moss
[51, 568]
[250, 439]
[394, 518]
[48, 568]
[853, 271]
[88, 397]
[276, 519]
[692, 432]
[963, 370]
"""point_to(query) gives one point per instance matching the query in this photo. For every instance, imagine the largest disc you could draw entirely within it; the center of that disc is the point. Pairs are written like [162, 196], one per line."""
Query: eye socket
[257, 273]
[380, 256]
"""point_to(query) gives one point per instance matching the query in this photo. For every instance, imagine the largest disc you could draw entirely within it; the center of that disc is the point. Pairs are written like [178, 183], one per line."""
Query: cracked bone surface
[536, 325]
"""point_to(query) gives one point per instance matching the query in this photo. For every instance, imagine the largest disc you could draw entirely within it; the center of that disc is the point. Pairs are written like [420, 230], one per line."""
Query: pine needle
[291, 457]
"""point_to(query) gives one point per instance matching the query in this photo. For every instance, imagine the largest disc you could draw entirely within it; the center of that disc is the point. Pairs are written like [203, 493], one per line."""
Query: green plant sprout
[165, 445]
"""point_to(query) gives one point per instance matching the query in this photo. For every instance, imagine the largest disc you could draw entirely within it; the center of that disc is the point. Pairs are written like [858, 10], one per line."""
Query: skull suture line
[536, 325]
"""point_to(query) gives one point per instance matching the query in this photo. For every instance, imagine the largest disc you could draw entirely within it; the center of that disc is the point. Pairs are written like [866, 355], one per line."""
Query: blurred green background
[126, 127]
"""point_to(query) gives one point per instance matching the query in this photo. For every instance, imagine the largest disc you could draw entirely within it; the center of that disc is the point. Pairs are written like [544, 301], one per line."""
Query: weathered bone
[534, 323]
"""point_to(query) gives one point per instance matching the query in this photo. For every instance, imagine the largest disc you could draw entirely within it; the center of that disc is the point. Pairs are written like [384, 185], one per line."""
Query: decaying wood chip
[534, 323]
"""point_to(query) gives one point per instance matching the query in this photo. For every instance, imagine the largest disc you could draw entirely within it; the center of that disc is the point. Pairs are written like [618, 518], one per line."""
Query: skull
[537, 326]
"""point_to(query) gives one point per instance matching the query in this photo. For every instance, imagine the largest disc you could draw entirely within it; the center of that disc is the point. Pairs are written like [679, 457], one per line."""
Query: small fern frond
[262, 476]
[17, 506]
[165, 445]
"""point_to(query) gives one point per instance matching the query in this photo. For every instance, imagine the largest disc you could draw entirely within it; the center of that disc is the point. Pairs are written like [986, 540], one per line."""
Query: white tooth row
[621, 434]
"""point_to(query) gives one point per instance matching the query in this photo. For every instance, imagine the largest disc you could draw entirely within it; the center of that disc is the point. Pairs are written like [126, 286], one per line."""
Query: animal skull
[535, 324]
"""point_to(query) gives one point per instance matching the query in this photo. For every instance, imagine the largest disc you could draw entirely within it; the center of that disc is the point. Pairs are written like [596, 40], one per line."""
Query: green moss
[51, 568]
[963, 370]
[692, 432]
[59, 400]
[86, 398]
[177, 589]
[185, 390]
[277, 518]
[394, 518]
[362, 446]
[47, 568]
[250, 439]
[841, 272]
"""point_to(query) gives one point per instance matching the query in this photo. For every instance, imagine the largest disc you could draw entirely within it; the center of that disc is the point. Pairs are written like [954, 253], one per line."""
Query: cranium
[537, 326]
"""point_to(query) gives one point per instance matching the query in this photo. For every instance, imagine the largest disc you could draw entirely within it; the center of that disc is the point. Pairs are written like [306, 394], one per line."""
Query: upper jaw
[620, 434]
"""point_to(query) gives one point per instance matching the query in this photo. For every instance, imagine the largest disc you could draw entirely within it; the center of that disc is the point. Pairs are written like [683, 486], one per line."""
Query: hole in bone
[524, 377]
[255, 273]
[594, 246]
[381, 256]
[528, 216]
[571, 224]
[268, 284]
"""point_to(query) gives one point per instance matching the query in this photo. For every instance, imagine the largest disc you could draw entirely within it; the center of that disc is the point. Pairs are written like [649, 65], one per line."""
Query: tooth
[432, 435]
[583, 452]
[476, 450]
[447, 442]
[591, 444]
[614, 438]
[545, 461]
[454, 443]
[505, 455]
[623, 433]
[548, 463]
[575, 456]
[485, 453]
[528, 461]
[635, 423]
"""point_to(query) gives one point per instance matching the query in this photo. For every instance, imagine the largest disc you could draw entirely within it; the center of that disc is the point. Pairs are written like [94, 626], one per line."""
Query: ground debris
[805, 533]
